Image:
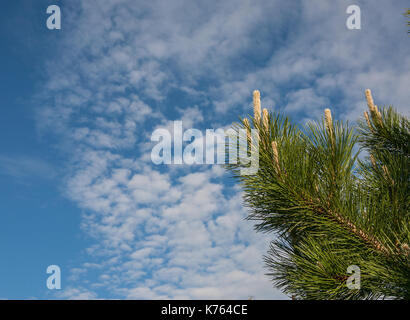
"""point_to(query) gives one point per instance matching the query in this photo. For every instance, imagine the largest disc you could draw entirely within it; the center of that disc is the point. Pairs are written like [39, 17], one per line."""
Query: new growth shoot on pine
[257, 106]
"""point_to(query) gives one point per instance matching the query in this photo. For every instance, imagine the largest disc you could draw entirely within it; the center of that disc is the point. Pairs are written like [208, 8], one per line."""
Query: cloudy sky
[78, 188]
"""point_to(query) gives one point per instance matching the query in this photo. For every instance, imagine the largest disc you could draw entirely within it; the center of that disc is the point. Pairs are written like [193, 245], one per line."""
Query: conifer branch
[330, 210]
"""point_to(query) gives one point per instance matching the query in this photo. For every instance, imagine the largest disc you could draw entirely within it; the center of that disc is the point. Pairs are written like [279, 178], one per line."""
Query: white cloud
[77, 294]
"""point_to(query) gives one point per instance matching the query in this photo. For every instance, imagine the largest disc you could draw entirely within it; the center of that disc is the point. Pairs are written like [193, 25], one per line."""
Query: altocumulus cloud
[128, 67]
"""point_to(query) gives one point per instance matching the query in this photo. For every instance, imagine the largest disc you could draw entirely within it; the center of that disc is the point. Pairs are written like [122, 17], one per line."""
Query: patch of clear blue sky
[38, 226]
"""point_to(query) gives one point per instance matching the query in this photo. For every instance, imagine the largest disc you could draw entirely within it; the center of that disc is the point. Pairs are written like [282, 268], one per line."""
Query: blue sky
[79, 105]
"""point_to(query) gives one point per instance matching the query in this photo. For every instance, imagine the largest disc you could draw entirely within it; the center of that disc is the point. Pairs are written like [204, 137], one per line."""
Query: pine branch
[322, 202]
